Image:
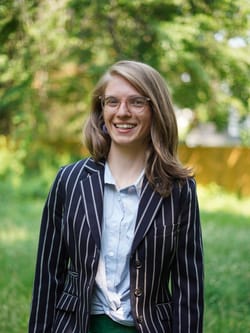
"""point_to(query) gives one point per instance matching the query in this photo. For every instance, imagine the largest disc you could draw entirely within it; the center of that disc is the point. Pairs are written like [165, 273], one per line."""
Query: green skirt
[104, 324]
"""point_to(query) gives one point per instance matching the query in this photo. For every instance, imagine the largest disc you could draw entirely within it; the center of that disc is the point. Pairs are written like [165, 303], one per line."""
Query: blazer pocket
[164, 311]
[71, 283]
[67, 302]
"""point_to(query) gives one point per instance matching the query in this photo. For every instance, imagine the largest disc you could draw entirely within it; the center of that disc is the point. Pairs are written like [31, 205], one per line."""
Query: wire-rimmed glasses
[134, 103]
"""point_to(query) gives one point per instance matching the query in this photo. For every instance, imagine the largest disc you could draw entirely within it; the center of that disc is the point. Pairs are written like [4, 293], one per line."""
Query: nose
[123, 108]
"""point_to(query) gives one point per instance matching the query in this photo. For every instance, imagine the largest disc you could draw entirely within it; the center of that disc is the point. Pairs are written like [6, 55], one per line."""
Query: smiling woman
[118, 224]
[162, 163]
[127, 117]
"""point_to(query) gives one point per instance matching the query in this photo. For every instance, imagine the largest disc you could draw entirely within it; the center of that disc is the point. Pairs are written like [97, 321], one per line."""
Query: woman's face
[128, 123]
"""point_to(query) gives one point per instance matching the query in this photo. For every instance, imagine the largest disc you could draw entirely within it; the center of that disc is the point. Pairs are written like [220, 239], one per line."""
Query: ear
[104, 129]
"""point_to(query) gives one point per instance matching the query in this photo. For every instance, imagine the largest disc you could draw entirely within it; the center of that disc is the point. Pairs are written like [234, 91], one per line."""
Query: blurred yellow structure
[228, 167]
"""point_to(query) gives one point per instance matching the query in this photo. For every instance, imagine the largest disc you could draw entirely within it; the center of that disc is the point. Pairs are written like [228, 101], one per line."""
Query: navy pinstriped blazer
[166, 265]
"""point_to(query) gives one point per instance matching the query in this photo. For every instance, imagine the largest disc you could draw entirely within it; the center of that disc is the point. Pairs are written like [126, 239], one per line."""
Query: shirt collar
[108, 179]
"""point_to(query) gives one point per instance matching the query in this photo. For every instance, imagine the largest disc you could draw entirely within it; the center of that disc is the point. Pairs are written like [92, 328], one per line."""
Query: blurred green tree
[52, 52]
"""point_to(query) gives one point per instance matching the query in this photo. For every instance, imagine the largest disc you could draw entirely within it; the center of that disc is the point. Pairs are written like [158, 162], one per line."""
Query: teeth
[124, 125]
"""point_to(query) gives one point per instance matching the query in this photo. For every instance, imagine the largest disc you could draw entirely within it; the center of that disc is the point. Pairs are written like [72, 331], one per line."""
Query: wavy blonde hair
[162, 164]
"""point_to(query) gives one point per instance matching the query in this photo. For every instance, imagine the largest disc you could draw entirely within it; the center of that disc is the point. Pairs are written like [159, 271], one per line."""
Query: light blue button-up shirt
[112, 288]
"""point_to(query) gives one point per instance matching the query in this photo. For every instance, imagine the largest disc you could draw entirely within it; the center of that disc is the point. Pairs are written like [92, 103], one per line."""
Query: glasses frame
[115, 109]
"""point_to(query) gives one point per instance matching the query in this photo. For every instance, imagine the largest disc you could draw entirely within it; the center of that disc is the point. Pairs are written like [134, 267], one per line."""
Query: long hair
[162, 164]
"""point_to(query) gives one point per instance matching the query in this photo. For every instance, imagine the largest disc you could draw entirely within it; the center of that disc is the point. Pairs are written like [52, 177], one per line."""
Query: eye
[111, 101]
[137, 102]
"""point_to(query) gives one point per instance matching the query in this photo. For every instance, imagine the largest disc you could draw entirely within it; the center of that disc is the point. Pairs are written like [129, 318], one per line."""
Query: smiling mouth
[124, 126]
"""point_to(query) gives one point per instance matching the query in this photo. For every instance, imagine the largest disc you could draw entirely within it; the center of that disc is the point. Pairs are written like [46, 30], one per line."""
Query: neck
[126, 166]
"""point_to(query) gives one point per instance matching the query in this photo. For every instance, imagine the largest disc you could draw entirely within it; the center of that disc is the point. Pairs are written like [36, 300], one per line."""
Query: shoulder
[71, 174]
[188, 195]
[189, 185]
[79, 168]
[184, 189]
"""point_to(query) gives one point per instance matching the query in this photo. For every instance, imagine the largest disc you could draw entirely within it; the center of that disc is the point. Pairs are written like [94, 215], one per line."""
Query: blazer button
[138, 292]
[140, 319]
[138, 264]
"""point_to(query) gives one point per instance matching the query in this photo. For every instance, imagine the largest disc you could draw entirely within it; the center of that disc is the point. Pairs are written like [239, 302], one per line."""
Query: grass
[226, 230]
[18, 241]
[226, 226]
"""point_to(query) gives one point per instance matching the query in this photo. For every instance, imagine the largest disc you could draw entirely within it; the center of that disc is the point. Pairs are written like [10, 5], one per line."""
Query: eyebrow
[127, 96]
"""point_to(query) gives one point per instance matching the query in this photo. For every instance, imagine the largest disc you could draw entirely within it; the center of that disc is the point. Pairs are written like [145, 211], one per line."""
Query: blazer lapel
[148, 207]
[92, 190]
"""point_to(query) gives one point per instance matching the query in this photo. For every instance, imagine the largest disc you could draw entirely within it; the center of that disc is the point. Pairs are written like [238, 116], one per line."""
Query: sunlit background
[51, 55]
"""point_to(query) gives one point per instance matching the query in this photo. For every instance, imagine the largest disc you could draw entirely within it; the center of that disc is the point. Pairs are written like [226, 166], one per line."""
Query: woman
[120, 246]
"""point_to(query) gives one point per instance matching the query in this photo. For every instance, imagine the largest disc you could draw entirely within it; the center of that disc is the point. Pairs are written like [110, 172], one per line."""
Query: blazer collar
[92, 167]
[93, 188]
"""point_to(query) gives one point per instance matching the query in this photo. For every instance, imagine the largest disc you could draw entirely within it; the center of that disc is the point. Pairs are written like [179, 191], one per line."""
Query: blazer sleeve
[187, 273]
[51, 261]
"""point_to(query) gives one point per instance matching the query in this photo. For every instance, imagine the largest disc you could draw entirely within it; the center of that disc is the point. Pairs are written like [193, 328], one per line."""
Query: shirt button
[140, 319]
[138, 264]
[138, 292]
[131, 189]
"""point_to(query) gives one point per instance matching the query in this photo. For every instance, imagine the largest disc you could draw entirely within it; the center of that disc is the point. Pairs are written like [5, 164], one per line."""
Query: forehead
[118, 86]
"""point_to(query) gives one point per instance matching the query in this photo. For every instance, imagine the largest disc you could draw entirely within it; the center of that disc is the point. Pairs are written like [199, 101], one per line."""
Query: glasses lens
[111, 102]
[134, 103]
[137, 103]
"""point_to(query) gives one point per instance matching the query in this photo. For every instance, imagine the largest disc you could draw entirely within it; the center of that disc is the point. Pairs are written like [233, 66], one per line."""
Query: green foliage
[52, 53]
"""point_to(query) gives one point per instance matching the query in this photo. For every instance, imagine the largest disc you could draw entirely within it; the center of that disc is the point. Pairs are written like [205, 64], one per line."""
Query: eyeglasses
[134, 104]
